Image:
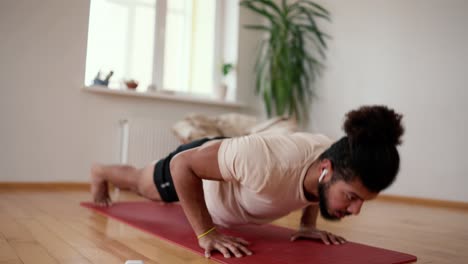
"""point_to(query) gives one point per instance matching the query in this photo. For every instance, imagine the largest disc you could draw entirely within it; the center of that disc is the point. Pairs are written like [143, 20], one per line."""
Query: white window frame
[159, 43]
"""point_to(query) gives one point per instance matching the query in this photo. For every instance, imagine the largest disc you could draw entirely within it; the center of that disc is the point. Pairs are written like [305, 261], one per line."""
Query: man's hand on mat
[227, 245]
[316, 234]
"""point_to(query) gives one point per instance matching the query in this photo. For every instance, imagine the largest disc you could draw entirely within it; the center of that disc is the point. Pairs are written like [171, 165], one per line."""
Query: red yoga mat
[269, 243]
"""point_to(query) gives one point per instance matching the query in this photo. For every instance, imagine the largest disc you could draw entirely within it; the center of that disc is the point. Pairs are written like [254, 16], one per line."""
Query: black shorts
[162, 173]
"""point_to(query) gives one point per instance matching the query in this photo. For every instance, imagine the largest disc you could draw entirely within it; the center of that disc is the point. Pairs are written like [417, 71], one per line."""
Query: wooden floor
[49, 226]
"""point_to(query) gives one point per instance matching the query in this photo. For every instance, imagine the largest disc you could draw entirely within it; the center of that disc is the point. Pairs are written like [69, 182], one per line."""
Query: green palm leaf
[257, 27]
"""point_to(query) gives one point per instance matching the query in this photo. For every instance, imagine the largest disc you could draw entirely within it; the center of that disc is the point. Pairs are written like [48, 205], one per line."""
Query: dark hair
[368, 151]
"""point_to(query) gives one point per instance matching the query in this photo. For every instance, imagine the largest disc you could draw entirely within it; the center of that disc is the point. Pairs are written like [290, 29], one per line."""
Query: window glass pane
[202, 49]
[177, 42]
[189, 46]
[141, 64]
[121, 39]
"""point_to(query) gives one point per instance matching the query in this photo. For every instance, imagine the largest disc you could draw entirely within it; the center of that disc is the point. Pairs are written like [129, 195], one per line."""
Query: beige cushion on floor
[234, 125]
[195, 126]
[277, 125]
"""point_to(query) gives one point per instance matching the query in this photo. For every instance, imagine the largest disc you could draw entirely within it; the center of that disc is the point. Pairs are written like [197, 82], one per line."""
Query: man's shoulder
[312, 136]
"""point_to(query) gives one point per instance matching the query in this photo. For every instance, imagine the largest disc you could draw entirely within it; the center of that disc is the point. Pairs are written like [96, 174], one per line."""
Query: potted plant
[226, 68]
[290, 56]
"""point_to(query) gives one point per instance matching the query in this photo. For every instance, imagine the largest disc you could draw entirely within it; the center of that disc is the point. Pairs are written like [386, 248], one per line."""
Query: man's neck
[310, 183]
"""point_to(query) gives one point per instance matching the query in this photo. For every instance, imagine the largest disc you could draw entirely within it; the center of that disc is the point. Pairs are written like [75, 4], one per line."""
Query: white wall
[50, 129]
[412, 56]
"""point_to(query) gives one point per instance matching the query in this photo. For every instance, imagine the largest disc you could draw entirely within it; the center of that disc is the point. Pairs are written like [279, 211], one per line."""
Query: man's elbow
[179, 165]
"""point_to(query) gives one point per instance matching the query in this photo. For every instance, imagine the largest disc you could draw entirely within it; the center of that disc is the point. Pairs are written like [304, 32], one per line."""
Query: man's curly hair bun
[377, 125]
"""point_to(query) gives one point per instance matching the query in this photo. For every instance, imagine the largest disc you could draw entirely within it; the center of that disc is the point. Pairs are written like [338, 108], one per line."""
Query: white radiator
[144, 140]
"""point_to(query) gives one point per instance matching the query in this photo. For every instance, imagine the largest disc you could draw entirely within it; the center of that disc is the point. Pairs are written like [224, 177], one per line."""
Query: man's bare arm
[308, 228]
[309, 216]
[188, 168]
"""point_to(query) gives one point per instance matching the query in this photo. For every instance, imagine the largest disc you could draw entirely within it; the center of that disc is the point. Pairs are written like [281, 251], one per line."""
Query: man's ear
[325, 168]
[325, 164]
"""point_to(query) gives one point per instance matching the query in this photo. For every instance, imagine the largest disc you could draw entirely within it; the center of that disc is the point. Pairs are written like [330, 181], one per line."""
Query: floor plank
[7, 253]
[32, 253]
[11, 230]
[11, 262]
[57, 247]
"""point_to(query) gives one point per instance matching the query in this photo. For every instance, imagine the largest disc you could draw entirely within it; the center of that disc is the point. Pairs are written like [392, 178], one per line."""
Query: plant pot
[131, 84]
[221, 91]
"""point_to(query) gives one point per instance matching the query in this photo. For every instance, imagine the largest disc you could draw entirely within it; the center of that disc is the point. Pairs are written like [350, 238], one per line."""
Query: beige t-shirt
[263, 175]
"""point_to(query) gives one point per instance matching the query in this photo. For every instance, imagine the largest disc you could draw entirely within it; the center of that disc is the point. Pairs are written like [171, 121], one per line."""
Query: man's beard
[323, 189]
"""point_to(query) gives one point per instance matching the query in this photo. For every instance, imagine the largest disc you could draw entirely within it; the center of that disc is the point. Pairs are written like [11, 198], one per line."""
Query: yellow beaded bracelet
[206, 233]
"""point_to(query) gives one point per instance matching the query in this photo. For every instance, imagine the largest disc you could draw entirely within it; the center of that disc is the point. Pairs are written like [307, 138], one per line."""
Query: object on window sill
[221, 91]
[131, 84]
[98, 81]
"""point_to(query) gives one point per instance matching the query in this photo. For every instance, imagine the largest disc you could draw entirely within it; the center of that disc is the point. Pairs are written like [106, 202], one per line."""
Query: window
[176, 45]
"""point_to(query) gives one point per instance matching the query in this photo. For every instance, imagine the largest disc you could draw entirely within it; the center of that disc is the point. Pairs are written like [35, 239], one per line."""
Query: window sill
[163, 96]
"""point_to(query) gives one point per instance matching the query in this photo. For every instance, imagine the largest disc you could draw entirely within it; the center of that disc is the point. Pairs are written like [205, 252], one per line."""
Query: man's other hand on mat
[316, 234]
[227, 245]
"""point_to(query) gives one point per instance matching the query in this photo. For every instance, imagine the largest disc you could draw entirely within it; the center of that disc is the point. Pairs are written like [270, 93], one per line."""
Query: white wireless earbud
[324, 172]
